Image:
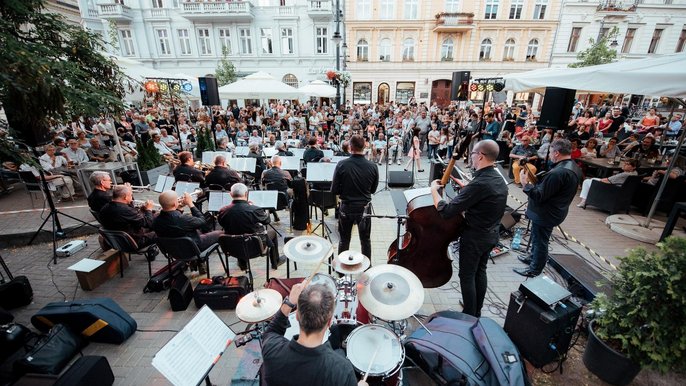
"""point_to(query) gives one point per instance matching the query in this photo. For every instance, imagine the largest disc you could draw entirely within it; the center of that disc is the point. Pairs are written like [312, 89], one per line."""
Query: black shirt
[223, 176]
[183, 172]
[117, 216]
[355, 179]
[483, 200]
[176, 224]
[240, 217]
[550, 198]
[99, 198]
[276, 179]
[616, 124]
[290, 363]
[312, 154]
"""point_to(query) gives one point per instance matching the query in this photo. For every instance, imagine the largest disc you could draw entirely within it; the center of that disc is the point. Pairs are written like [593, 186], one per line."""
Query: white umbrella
[319, 89]
[259, 85]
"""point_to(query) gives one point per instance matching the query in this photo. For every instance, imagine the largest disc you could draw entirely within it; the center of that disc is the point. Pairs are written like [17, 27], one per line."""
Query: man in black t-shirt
[101, 194]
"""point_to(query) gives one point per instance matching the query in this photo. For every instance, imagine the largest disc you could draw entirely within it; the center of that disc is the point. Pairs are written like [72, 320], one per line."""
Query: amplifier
[400, 179]
[70, 248]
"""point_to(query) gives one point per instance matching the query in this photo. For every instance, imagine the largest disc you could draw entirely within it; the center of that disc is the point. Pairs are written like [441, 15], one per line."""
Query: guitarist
[483, 203]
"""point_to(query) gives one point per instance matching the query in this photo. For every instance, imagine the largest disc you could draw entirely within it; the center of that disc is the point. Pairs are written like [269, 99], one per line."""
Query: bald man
[483, 203]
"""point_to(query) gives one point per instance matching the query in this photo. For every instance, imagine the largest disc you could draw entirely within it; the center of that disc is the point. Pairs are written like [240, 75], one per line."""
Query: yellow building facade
[396, 49]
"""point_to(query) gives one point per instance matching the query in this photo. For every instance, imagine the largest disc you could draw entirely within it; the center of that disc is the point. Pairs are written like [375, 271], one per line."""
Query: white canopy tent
[657, 76]
[259, 85]
[318, 88]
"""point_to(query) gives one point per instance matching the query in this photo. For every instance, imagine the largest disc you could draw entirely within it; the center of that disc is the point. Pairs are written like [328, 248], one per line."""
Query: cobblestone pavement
[131, 361]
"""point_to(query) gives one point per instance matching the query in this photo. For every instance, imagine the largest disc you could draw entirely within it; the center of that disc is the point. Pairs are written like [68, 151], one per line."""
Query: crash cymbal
[390, 292]
[351, 257]
[307, 249]
[350, 269]
[258, 305]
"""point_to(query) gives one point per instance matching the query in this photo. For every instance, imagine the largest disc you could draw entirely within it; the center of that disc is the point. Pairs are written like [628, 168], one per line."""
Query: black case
[87, 371]
[16, 293]
[161, 280]
[50, 353]
[180, 293]
[222, 296]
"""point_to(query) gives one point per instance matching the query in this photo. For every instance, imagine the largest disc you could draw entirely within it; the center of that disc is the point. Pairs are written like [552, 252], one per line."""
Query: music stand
[265, 199]
[298, 152]
[218, 200]
[321, 173]
[247, 164]
[164, 183]
[241, 151]
[290, 163]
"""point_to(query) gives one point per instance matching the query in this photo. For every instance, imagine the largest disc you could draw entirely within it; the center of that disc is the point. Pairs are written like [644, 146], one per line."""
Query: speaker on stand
[556, 109]
[209, 91]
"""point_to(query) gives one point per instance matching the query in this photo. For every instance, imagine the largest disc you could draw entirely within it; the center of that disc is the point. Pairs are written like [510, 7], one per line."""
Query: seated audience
[628, 169]
[610, 149]
[98, 153]
[520, 152]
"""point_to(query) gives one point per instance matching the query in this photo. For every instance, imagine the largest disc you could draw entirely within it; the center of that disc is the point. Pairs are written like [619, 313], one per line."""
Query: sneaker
[581, 204]
[398, 162]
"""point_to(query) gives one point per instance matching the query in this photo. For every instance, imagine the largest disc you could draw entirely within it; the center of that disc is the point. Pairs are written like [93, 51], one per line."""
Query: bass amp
[541, 334]
[400, 179]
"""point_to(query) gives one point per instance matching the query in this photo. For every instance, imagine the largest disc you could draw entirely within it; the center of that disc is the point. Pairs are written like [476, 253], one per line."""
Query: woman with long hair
[414, 152]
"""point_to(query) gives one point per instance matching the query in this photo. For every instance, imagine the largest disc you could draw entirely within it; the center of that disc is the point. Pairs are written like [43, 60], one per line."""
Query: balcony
[156, 14]
[454, 22]
[217, 11]
[616, 7]
[320, 10]
[115, 12]
[285, 12]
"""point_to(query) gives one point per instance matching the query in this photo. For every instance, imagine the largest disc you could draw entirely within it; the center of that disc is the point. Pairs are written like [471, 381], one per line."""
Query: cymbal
[307, 249]
[390, 292]
[351, 257]
[350, 269]
[258, 305]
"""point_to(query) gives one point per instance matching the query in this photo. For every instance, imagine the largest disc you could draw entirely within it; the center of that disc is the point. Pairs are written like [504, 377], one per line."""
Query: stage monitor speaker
[583, 280]
[209, 92]
[436, 171]
[459, 88]
[556, 109]
[542, 335]
[400, 179]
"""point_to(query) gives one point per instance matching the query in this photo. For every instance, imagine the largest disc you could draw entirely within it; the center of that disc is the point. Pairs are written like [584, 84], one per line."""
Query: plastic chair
[122, 242]
[185, 249]
[245, 247]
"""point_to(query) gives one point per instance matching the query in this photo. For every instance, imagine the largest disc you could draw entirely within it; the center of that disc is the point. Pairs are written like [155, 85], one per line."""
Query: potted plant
[642, 323]
[150, 163]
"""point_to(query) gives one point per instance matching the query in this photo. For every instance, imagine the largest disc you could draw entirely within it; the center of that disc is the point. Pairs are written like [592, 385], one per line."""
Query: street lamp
[337, 41]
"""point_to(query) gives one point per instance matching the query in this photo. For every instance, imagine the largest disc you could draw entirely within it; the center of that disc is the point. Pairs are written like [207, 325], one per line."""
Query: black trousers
[349, 215]
[475, 249]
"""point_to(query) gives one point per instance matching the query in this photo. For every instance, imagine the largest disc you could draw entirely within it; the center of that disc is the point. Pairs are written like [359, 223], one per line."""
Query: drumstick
[369, 368]
[307, 282]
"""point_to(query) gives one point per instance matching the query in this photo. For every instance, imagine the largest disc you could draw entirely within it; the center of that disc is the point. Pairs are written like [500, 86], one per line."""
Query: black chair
[123, 243]
[95, 214]
[185, 249]
[32, 185]
[675, 191]
[612, 198]
[184, 177]
[245, 247]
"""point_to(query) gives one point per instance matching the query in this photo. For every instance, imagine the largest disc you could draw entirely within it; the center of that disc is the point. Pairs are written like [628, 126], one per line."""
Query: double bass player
[483, 202]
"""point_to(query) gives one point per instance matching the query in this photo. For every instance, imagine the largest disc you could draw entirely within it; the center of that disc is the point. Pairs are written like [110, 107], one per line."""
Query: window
[404, 91]
[532, 50]
[603, 32]
[447, 50]
[411, 9]
[539, 9]
[184, 41]
[516, 9]
[385, 50]
[157, 4]
[491, 9]
[163, 42]
[364, 9]
[574, 39]
[362, 51]
[657, 34]
[266, 37]
[408, 50]
[681, 42]
[127, 48]
[290, 80]
[508, 54]
[452, 5]
[387, 9]
[322, 40]
[204, 43]
[628, 40]
[287, 46]
[362, 92]
[225, 40]
[245, 41]
[485, 49]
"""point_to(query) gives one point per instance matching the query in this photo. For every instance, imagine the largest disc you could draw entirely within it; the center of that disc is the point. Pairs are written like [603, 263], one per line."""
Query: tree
[599, 52]
[226, 72]
[51, 69]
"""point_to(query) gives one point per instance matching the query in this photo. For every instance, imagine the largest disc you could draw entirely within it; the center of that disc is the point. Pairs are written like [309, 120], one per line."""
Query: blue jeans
[540, 238]
[432, 151]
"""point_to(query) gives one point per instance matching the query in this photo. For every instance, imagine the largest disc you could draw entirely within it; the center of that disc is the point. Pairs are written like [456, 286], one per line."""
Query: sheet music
[270, 151]
[247, 164]
[298, 152]
[218, 200]
[266, 199]
[242, 150]
[186, 187]
[292, 143]
[339, 158]
[189, 355]
[164, 183]
[290, 163]
[411, 194]
[320, 171]
[209, 156]
[328, 153]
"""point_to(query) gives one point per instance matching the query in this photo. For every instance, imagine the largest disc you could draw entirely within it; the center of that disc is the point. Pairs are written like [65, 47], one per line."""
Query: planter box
[150, 176]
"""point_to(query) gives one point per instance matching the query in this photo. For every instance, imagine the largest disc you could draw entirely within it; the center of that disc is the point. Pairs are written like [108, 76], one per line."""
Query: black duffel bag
[49, 353]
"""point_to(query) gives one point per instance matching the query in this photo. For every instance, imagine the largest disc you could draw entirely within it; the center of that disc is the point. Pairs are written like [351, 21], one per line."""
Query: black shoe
[152, 253]
[242, 266]
[525, 272]
[524, 259]
[282, 260]
[276, 218]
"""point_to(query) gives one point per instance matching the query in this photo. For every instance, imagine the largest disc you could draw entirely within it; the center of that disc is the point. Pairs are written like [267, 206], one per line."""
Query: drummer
[305, 360]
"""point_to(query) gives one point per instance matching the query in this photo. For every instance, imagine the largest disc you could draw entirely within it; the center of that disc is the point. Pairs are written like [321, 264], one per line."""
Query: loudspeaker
[209, 92]
[459, 89]
[436, 171]
[557, 106]
[400, 179]
[541, 334]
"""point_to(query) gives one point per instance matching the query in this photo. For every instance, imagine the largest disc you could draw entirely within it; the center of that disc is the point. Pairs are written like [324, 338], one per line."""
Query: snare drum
[365, 340]
[326, 280]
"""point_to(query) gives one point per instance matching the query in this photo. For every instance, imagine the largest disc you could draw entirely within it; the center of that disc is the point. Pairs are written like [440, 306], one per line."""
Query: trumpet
[140, 203]
[138, 189]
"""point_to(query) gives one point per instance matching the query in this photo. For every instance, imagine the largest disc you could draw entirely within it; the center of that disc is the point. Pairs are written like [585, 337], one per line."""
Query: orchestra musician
[120, 215]
[221, 175]
[186, 170]
[101, 195]
[259, 162]
[276, 178]
[312, 153]
[282, 150]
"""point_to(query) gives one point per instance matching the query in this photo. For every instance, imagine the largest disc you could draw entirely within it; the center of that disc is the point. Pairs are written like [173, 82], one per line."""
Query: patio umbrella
[319, 89]
[259, 85]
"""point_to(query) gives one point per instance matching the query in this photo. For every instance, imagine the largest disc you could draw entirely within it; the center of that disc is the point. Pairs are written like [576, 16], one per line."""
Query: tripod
[57, 230]
[326, 231]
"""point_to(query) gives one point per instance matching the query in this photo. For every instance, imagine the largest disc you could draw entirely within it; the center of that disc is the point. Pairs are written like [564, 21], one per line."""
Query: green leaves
[599, 52]
[226, 72]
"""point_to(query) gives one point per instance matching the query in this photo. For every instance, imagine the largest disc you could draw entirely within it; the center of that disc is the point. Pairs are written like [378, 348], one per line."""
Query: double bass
[424, 249]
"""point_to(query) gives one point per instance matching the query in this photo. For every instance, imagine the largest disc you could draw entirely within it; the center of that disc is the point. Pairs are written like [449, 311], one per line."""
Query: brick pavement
[131, 361]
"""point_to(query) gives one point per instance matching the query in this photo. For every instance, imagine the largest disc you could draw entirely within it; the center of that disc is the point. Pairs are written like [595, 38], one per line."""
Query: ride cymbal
[390, 292]
[258, 305]
[307, 249]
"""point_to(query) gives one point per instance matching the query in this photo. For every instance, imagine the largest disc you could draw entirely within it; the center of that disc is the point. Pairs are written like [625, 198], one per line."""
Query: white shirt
[48, 164]
[162, 148]
[77, 156]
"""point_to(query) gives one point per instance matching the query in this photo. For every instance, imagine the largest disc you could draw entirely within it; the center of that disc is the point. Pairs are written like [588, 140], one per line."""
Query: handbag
[49, 353]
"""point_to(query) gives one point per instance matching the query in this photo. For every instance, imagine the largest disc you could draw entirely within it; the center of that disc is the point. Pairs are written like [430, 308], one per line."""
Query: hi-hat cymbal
[307, 249]
[258, 305]
[390, 292]
[351, 257]
[345, 268]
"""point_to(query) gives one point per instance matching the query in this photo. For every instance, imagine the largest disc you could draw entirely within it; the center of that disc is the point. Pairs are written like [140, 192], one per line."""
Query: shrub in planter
[644, 318]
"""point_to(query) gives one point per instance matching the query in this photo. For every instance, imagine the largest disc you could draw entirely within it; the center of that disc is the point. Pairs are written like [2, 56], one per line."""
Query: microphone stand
[388, 158]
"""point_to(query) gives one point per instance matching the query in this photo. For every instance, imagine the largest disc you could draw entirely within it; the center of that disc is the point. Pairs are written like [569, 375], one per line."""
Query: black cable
[142, 330]
[52, 279]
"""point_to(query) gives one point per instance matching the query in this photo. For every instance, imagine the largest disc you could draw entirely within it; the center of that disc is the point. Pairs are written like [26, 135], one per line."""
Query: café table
[606, 167]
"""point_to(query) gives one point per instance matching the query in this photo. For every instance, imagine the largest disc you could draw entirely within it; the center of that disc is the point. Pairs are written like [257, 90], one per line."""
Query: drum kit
[385, 295]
